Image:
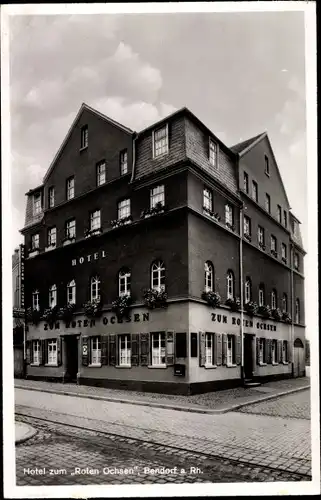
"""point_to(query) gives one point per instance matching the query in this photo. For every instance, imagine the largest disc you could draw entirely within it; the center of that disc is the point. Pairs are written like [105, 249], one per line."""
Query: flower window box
[121, 222]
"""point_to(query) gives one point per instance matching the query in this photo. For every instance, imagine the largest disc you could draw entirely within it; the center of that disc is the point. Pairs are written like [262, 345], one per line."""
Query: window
[247, 225]
[52, 352]
[273, 244]
[260, 236]
[285, 303]
[158, 276]
[51, 196]
[123, 162]
[267, 166]
[53, 296]
[246, 182]
[95, 351]
[209, 275]
[71, 292]
[248, 290]
[273, 299]
[296, 261]
[285, 353]
[158, 349]
[285, 219]
[124, 209]
[279, 209]
[70, 188]
[95, 220]
[37, 203]
[124, 277]
[52, 237]
[213, 153]
[124, 350]
[207, 200]
[274, 347]
[157, 195]
[209, 349]
[283, 254]
[297, 311]
[267, 203]
[36, 352]
[101, 173]
[84, 137]
[161, 141]
[230, 350]
[261, 295]
[262, 351]
[254, 191]
[71, 229]
[95, 288]
[230, 285]
[228, 215]
[35, 242]
[35, 300]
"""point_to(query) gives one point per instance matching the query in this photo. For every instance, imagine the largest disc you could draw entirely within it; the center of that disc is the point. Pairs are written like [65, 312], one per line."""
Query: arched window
[53, 296]
[285, 303]
[158, 276]
[273, 299]
[35, 300]
[95, 288]
[124, 277]
[248, 290]
[209, 277]
[230, 284]
[297, 311]
[71, 292]
[261, 295]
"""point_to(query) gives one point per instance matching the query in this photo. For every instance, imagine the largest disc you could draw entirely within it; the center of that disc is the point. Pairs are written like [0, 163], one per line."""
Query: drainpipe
[241, 292]
[292, 309]
[134, 158]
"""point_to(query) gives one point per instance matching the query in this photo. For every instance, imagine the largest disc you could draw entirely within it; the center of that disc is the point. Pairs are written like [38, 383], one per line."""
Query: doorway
[71, 346]
[248, 356]
[298, 359]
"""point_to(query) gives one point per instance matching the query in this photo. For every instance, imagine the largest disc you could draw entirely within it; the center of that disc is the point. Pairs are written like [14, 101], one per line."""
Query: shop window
[52, 352]
[158, 349]
[95, 350]
[209, 349]
[36, 352]
[230, 350]
[158, 276]
[209, 277]
[124, 279]
[124, 350]
[71, 292]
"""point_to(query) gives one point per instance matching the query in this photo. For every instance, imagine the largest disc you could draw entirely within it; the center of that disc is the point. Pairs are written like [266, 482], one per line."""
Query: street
[82, 441]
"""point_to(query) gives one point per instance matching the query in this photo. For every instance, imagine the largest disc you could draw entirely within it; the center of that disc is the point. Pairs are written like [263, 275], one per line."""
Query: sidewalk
[211, 402]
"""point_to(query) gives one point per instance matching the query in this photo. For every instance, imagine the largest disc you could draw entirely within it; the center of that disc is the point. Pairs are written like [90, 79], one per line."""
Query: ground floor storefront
[185, 348]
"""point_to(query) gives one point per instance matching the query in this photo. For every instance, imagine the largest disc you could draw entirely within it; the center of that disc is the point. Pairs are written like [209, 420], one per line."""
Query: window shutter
[45, 350]
[266, 354]
[112, 349]
[144, 349]
[180, 345]
[202, 348]
[170, 347]
[28, 352]
[134, 349]
[238, 349]
[290, 352]
[224, 349]
[269, 350]
[218, 349]
[59, 351]
[104, 349]
[85, 351]
[279, 351]
[257, 350]
[193, 344]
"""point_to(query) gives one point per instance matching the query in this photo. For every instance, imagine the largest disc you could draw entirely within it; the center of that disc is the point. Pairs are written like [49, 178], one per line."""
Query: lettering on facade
[88, 258]
[106, 320]
[22, 277]
[221, 318]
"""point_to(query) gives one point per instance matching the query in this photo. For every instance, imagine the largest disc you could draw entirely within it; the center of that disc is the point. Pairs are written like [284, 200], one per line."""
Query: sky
[240, 73]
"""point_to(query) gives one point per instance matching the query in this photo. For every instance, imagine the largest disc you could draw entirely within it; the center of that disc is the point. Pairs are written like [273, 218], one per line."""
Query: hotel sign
[221, 318]
[89, 258]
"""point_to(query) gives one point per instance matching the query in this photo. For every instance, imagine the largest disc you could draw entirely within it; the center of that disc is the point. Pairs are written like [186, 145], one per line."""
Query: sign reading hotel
[89, 258]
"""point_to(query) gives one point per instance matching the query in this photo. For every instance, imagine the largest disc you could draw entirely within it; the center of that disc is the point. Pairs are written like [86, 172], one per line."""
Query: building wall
[298, 288]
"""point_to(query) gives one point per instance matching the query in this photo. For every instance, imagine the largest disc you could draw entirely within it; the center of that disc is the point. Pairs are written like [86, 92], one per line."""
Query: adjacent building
[18, 310]
[162, 260]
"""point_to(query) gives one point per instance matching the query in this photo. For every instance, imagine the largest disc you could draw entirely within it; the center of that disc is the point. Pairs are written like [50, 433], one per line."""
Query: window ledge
[69, 241]
[51, 364]
[274, 364]
[231, 365]
[160, 156]
[285, 362]
[95, 365]
[34, 364]
[262, 364]
[83, 149]
[123, 366]
[51, 247]
[210, 367]
[157, 366]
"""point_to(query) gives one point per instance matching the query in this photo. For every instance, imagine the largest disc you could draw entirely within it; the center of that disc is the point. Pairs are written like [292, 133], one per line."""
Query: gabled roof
[242, 147]
[83, 107]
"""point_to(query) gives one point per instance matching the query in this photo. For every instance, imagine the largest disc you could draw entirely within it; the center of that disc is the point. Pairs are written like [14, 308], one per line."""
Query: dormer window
[84, 137]
[160, 141]
[37, 203]
[267, 166]
[213, 153]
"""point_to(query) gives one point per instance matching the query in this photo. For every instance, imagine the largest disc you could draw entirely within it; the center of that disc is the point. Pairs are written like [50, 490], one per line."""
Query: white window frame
[52, 351]
[53, 296]
[230, 285]
[35, 352]
[260, 235]
[84, 137]
[284, 303]
[124, 349]
[37, 205]
[71, 292]
[212, 154]
[209, 349]
[70, 188]
[95, 222]
[95, 351]
[71, 229]
[273, 243]
[283, 252]
[123, 162]
[52, 236]
[158, 353]
[246, 186]
[35, 241]
[274, 347]
[124, 209]
[230, 350]
[261, 296]
[248, 291]
[208, 199]
[209, 277]
[255, 191]
[95, 288]
[160, 144]
[247, 225]
[228, 214]
[262, 347]
[101, 173]
[157, 195]
[124, 282]
[158, 275]
[35, 300]
[273, 299]
[268, 203]
[51, 197]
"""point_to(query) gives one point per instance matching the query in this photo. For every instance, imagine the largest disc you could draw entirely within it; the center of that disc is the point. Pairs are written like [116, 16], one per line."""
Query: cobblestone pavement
[291, 406]
[68, 456]
[208, 400]
[255, 439]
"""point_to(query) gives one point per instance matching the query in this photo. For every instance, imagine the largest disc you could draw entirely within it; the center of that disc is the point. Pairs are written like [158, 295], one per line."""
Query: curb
[231, 407]
[30, 433]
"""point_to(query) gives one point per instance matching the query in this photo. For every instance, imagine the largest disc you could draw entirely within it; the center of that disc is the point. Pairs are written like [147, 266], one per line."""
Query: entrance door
[71, 346]
[248, 356]
[298, 358]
